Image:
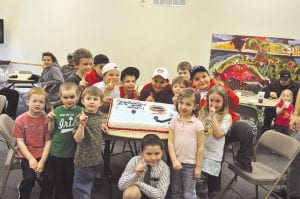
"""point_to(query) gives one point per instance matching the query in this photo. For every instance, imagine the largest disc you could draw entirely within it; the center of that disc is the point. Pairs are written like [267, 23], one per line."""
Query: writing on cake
[131, 104]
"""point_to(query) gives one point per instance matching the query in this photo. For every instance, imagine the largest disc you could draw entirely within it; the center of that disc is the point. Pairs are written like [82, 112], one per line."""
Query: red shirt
[164, 96]
[232, 97]
[283, 119]
[34, 131]
[92, 77]
[133, 94]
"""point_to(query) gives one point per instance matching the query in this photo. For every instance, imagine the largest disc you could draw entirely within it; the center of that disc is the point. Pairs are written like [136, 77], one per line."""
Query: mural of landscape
[252, 58]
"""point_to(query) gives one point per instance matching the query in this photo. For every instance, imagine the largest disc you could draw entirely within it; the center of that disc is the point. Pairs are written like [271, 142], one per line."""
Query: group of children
[63, 150]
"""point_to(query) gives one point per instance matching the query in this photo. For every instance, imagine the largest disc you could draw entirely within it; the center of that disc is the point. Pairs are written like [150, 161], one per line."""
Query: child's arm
[79, 134]
[42, 161]
[129, 176]
[150, 98]
[200, 154]
[108, 88]
[51, 116]
[217, 131]
[161, 189]
[171, 146]
[279, 110]
[24, 150]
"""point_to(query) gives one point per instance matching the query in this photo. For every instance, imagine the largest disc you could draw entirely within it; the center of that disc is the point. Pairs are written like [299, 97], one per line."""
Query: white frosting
[140, 115]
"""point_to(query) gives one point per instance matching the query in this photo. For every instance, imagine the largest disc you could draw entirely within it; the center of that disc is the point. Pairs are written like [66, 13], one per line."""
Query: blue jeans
[84, 178]
[183, 183]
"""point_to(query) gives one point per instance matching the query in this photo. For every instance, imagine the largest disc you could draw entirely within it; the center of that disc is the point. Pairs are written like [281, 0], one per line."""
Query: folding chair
[252, 86]
[3, 101]
[262, 174]
[12, 162]
[247, 112]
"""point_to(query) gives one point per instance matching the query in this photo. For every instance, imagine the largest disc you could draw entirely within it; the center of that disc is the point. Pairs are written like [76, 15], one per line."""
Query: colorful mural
[251, 58]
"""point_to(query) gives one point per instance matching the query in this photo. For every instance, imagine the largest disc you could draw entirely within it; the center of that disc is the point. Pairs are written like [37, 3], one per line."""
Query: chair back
[247, 112]
[11, 162]
[280, 143]
[6, 125]
[252, 86]
[3, 101]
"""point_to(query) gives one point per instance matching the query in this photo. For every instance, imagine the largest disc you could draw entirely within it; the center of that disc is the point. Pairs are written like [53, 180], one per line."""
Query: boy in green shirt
[61, 125]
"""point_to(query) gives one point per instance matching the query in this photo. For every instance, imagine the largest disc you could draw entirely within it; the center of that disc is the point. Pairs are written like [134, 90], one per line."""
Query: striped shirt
[160, 179]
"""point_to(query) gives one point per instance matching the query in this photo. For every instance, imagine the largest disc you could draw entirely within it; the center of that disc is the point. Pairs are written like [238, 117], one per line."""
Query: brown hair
[184, 66]
[48, 54]
[80, 54]
[189, 93]
[181, 80]
[92, 91]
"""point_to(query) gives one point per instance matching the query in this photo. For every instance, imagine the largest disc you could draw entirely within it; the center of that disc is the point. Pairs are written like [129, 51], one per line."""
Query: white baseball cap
[161, 72]
[110, 66]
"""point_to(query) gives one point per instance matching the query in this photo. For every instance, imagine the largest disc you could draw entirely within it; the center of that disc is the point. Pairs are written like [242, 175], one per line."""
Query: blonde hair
[36, 91]
[225, 108]
[92, 91]
[287, 91]
[69, 86]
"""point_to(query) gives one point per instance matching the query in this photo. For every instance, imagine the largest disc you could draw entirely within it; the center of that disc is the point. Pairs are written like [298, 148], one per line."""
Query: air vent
[169, 2]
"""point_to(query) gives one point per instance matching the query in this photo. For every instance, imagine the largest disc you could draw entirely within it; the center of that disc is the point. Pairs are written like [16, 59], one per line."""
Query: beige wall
[132, 35]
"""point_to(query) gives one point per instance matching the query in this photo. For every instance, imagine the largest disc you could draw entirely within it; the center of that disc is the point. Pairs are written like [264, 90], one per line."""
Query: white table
[252, 100]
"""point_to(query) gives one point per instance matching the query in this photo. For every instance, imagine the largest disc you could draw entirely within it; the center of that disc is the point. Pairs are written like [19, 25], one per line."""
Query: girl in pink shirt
[284, 111]
[186, 146]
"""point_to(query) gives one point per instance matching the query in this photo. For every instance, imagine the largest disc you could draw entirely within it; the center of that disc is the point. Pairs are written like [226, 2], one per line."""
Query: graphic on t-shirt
[286, 114]
[208, 129]
[66, 123]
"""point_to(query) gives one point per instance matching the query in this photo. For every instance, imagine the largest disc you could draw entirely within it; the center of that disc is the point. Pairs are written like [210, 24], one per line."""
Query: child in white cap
[110, 84]
[159, 90]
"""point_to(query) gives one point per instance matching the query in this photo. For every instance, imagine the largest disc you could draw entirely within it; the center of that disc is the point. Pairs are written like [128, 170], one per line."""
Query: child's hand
[197, 172]
[33, 163]
[177, 165]
[150, 98]
[51, 115]
[174, 99]
[140, 167]
[40, 166]
[83, 83]
[212, 110]
[110, 86]
[273, 95]
[136, 94]
[295, 123]
[105, 129]
[286, 104]
[83, 118]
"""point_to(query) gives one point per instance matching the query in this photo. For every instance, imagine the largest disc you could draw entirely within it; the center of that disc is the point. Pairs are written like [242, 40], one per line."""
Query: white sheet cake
[127, 114]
